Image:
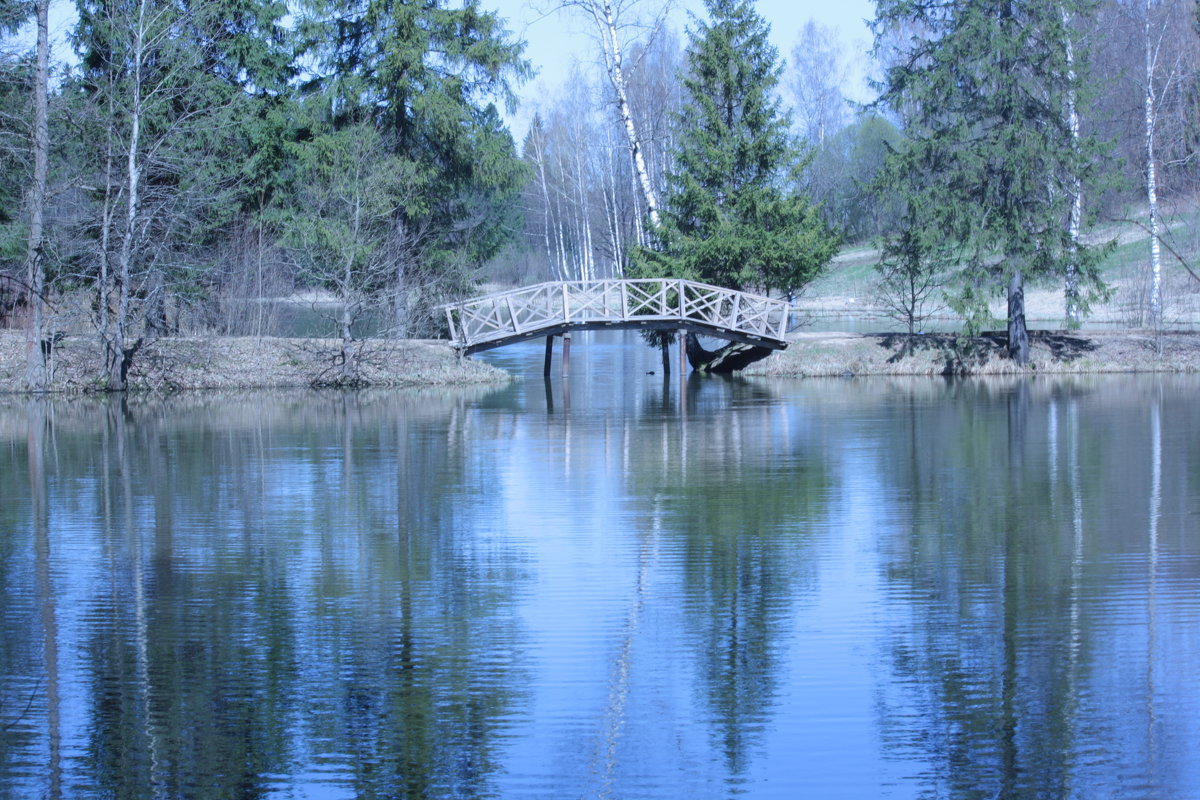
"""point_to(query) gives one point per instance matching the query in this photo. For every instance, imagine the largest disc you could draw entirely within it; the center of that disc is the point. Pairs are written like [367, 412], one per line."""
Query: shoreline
[1051, 352]
[215, 363]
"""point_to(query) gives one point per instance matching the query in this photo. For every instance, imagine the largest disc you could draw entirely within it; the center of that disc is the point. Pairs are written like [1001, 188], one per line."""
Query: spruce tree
[731, 216]
[983, 91]
[428, 75]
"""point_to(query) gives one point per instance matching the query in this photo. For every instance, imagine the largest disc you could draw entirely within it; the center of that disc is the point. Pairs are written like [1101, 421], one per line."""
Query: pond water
[814, 588]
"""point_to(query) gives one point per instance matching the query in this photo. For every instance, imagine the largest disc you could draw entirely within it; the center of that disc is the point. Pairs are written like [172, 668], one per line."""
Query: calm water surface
[831, 589]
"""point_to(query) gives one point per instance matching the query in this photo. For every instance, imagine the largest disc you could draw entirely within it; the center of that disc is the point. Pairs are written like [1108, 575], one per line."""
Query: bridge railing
[653, 302]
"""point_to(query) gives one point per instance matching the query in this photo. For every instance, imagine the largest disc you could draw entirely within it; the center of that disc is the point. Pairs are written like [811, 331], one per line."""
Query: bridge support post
[566, 367]
[549, 355]
[683, 365]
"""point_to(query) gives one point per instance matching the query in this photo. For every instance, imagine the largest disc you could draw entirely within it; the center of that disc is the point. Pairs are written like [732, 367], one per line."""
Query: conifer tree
[983, 91]
[428, 75]
[730, 219]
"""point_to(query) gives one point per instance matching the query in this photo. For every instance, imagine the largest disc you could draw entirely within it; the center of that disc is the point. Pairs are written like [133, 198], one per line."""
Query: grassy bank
[246, 362]
[848, 285]
[833, 354]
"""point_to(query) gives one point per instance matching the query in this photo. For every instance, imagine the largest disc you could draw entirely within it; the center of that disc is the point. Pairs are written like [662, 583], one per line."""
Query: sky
[555, 39]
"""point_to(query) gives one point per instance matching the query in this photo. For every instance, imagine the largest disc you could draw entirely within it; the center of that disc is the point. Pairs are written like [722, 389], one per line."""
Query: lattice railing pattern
[632, 302]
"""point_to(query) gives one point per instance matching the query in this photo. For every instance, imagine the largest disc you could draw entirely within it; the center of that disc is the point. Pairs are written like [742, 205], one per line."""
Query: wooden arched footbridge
[550, 309]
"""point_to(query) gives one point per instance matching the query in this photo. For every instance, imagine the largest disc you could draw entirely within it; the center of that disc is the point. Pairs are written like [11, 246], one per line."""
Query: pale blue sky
[555, 39]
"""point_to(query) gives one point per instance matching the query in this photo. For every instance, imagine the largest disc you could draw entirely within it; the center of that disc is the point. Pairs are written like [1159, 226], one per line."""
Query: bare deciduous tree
[35, 273]
[819, 77]
[611, 18]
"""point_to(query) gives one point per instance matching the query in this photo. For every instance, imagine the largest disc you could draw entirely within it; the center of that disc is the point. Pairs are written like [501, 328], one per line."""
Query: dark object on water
[724, 360]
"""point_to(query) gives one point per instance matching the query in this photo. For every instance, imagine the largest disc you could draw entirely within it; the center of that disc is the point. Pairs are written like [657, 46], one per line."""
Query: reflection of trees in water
[30, 681]
[728, 496]
[738, 496]
[276, 598]
[1005, 566]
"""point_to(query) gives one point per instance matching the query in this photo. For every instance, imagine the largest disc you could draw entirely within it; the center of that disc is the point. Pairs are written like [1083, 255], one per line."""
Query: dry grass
[242, 363]
[832, 354]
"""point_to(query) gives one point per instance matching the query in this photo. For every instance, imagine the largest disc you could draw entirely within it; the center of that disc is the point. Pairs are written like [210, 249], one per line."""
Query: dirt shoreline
[1052, 352]
[248, 363]
[254, 363]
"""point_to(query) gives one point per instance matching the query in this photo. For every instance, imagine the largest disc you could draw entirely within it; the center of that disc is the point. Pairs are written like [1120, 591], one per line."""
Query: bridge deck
[549, 309]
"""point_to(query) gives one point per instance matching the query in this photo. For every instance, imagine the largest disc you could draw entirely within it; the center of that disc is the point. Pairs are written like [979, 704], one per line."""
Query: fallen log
[724, 360]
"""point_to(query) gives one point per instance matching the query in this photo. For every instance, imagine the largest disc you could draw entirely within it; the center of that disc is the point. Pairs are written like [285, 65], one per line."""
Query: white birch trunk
[133, 175]
[616, 76]
[540, 155]
[612, 212]
[587, 259]
[1071, 292]
[1155, 320]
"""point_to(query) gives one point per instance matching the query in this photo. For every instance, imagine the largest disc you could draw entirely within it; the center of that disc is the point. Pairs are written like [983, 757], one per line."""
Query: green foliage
[349, 191]
[727, 220]
[427, 76]
[842, 172]
[14, 14]
[912, 269]
[983, 92]
[16, 79]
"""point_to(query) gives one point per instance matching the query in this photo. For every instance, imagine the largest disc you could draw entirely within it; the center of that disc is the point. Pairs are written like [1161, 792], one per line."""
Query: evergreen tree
[983, 91]
[729, 220]
[428, 75]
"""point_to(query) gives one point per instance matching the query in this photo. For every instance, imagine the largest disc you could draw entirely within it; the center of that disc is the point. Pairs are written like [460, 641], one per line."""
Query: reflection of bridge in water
[550, 309]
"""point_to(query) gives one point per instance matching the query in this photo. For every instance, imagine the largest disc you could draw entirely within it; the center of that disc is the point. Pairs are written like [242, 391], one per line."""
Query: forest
[195, 167]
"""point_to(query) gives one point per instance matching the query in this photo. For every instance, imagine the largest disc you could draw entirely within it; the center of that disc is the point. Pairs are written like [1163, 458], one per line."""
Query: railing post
[566, 303]
[682, 299]
[512, 316]
[450, 323]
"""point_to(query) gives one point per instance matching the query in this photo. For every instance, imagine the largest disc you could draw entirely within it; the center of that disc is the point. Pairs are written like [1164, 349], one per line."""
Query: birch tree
[1169, 83]
[1071, 296]
[818, 75]
[610, 18]
[1151, 45]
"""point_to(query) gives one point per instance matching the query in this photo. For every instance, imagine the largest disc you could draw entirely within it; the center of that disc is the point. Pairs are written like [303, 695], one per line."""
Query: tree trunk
[345, 325]
[1018, 336]
[729, 358]
[1071, 289]
[1152, 183]
[154, 312]
[118, 356]
[35, 272]
[616, 75]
